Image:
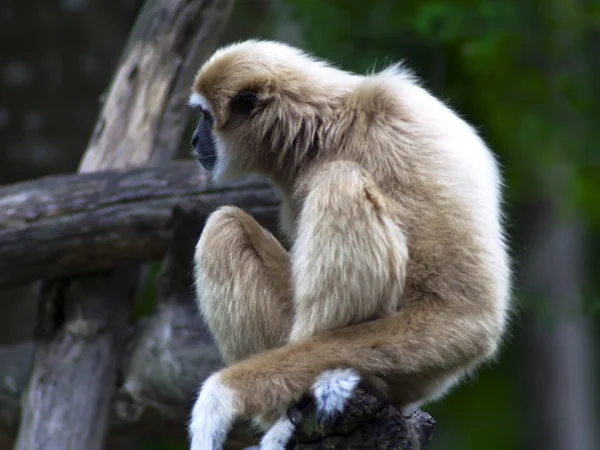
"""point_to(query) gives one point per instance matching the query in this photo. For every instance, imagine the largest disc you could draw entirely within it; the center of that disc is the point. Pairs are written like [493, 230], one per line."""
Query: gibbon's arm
[349, 256]
[426, 347]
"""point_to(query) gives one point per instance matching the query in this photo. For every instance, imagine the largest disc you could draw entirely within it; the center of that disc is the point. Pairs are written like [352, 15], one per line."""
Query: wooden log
[367, 423]
[74, 224]
[73, 374]
[83, 321]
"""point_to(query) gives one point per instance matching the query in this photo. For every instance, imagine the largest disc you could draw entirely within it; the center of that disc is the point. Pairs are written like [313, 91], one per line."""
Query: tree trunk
[82, 324]
[558, 352]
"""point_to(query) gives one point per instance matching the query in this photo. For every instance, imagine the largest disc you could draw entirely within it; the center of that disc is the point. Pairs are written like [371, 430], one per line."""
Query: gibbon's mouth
[204, 146]
[207, 161]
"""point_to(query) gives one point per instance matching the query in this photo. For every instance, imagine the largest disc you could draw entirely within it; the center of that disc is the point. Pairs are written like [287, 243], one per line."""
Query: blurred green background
[525, 73]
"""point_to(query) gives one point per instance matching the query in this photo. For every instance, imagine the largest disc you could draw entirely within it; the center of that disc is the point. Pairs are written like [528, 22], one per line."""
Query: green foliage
[145, 299]
[503, 65]
[523, 74]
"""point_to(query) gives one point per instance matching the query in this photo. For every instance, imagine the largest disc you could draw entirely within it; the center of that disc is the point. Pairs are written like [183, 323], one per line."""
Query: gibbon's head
[262, 105]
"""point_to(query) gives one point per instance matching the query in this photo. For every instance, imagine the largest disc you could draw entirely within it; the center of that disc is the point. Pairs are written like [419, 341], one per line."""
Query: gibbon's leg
[348, 265]
[429, 341]
[243, 286]
[243, 290]
[349, 257]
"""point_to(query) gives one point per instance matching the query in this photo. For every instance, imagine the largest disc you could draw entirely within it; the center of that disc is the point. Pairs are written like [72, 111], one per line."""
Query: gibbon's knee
[242, 284]
[361, 275]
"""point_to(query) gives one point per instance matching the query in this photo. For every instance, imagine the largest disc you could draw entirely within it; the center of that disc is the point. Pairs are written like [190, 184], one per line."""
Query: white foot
[331, 391]
[212, 415]
[278, 436]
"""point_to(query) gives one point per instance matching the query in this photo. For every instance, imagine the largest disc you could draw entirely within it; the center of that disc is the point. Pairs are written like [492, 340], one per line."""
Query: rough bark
[83, 321]
[144, 115]
[73, 374]
[75, 224]
[368, 423]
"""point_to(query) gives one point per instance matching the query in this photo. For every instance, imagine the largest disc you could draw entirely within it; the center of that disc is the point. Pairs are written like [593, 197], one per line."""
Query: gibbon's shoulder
[303, 85]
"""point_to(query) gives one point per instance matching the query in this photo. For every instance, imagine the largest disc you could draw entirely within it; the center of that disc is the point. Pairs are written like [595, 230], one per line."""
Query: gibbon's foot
[331, 391]
[278, 436]
[212, 415]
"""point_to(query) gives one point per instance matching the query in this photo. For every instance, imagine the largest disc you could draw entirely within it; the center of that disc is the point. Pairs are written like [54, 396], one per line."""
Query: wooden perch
[70, 385]
[171, 353]
[367, 423]
[75, 224]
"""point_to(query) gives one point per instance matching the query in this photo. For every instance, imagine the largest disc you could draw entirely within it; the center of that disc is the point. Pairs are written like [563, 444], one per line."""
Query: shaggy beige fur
[398, 267]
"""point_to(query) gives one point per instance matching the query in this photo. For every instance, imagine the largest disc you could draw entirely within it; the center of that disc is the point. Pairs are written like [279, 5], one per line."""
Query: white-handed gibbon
[398, 277]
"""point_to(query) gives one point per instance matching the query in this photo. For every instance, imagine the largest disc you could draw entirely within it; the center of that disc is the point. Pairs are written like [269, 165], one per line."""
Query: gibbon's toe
[331, 391]
[278, 436]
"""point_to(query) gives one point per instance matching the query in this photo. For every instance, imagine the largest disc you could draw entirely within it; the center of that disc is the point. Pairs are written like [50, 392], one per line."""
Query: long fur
[398, 269]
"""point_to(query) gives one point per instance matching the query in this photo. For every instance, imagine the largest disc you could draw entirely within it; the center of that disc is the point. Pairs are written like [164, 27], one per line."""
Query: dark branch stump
[367, 423]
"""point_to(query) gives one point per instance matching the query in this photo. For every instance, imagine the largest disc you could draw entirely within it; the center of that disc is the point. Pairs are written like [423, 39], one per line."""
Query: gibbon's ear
[245, 102]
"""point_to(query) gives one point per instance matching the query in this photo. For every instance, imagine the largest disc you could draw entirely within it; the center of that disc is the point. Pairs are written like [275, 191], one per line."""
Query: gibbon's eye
[244, 102]
[205, 115]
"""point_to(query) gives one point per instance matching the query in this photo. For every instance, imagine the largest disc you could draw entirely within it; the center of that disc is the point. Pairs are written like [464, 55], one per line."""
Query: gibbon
[398, 274]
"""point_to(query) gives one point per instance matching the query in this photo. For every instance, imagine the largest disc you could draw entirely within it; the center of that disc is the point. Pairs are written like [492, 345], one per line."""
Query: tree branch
[367, 423]
[74, 224]
[144, 115]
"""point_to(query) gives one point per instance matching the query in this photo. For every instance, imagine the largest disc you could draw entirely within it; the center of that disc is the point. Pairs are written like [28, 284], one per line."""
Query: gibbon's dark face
[241, 108]
[203, 141]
